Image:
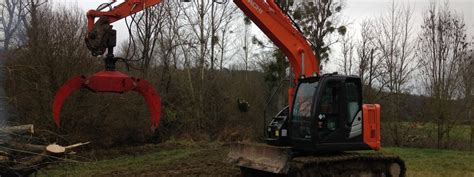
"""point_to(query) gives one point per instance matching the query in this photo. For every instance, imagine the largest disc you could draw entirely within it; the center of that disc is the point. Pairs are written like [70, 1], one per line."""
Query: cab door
[329, 115]
[339, 111]
[353, 109]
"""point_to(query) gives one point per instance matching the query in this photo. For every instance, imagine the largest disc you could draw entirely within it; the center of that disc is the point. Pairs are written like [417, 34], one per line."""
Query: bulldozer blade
[260, 157]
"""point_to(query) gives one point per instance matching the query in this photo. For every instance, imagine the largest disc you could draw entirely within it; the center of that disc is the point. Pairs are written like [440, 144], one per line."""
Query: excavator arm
[279, 28]
[266, 14]
[123, 10]
[101, 37]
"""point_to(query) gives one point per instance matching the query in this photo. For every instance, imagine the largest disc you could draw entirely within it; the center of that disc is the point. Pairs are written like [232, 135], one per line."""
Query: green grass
[431, 162]
[166, 159]
[208, 160]
[121, 164]
[459, 132]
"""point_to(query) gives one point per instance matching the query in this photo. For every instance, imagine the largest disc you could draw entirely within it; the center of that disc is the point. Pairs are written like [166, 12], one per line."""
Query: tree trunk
[439, 130]
[471, 144]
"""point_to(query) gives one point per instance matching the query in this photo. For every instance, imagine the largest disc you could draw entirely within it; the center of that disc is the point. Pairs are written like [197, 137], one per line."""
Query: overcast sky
[355, 12]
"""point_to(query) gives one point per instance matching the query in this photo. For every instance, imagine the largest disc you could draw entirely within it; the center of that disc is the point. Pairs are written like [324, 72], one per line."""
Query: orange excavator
[316, 135]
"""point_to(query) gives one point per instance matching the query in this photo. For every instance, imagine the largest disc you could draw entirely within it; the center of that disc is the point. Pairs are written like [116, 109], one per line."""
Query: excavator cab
[327, 114]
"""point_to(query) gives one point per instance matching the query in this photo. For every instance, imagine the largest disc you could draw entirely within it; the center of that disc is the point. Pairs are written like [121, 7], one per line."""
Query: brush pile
[22, 155]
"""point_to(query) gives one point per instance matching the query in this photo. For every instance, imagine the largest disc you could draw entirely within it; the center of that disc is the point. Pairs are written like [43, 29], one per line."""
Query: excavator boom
[123, 10]
[265, 14]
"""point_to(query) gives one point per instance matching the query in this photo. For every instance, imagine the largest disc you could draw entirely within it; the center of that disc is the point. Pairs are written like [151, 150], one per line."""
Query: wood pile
[20, 157]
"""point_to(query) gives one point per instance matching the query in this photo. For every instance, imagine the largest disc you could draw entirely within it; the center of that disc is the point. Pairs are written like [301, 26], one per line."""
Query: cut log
[4, 159]
[21, 130]
[56, 149]
[52, 148]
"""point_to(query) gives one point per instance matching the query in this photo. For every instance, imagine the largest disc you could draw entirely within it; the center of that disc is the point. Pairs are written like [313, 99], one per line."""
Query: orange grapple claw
[110, 82]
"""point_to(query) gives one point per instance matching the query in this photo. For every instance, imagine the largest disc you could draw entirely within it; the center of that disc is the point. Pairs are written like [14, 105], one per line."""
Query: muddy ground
[169, 159]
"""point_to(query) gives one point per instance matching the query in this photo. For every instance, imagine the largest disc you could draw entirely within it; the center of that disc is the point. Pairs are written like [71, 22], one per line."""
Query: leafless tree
[146, 32]
[348, 52]
[369, 62]
[247, 47]
[467, 91]
[12, 13]
[396, 45]
[442, 46]
[222, 16]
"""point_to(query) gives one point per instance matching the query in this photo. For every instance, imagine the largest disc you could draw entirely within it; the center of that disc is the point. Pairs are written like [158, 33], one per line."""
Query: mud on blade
[260, 157]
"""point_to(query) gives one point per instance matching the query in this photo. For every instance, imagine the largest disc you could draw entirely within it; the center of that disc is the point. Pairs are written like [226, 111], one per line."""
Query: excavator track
[340, 165]
[348, 164]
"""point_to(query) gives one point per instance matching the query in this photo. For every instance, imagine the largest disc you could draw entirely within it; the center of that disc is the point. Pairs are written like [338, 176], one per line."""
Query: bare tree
[396, 46]
[226, 46]
[348, 52]
[247, 46]
[369, 62]
[467, 91]
[222, 15]
[12, 13]
[442, 46]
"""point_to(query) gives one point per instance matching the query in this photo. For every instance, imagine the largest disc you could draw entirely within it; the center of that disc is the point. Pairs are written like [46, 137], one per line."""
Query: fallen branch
[18, 158]
[38, 157]
[77, 145]
[20, 130]
[52, 148]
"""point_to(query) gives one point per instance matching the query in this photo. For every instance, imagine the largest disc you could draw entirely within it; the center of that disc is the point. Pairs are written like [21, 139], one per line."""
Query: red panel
[110, 81]
[371, 124]
[291, 95]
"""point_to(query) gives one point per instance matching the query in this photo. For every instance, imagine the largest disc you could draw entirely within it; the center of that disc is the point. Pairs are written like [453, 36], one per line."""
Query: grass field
[429, 162]
[203, 159]
[460, 132]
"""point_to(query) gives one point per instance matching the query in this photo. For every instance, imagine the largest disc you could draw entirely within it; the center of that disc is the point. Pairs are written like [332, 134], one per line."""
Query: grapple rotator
[100, 39]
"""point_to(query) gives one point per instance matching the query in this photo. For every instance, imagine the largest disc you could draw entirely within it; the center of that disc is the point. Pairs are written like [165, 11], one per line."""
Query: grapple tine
[152, 99]
[63, 93]
[111, 82]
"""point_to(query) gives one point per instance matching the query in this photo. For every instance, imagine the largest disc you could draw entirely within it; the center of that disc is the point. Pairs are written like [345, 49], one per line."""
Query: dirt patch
[168, 159]
[208, 161]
